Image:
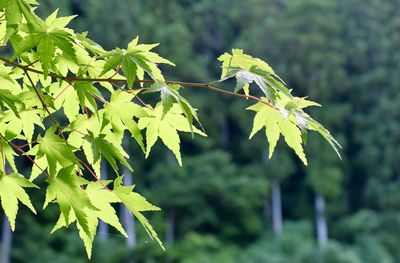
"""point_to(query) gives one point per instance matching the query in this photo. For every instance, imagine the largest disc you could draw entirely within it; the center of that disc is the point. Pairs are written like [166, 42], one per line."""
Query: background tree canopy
[223, 204]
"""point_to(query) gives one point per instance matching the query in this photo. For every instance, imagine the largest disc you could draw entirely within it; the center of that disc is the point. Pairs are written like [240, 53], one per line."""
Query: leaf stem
[3, 162]
[16, 147]
[94, 175]
[112, 81]
[40, 97]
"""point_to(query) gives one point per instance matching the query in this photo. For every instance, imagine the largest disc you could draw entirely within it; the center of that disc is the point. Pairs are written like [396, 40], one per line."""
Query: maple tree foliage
[63, 96]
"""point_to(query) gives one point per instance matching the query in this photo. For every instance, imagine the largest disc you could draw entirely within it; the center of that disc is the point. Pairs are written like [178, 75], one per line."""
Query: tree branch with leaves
[62, 96]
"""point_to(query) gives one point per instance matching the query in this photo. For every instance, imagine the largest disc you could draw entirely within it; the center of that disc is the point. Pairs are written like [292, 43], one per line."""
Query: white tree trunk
[224, 131]
[321, 225]
[127, 218]
[276, 207]
[170, 230]
[267, 212]
[6, 241]
[103, 230]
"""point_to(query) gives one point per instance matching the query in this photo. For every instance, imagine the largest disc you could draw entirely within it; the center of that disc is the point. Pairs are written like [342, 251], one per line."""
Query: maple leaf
[11, 191]
[166, 128]
[135, 59]
[169, 95]
[78, 130]
[120, 112]
[102, 200]
[66, 191]
[247, 70]
[9, 100]
[275, 124]
[7, 154]
[56, 150]
[136, 204]
[101, 146]
[46, 36]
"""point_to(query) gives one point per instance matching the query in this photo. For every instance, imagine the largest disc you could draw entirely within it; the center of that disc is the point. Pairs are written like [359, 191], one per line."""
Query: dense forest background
[229, 203]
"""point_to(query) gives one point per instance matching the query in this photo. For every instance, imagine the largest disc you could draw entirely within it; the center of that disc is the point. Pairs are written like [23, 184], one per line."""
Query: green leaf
[26, 44]
[120, 112]
[86, 93]
[266, 117]
[27, 121]
[46, 49]
[9, 100]
[240, 60]
[102, 200]
[12, 191]
[66, 191]
[247, 70]
[38, 168]
[276, 123]
[293, 138]
[47, 37]
[56, 151]
[316, 126]
[134, 59]
[13, 13]
[169, 95]
[129, 68]
[136, 204]
[304, 103]
[162, 126]
[67, 98]
[90, 44]
[111, 63]
[101, 146]
[7, 154]
[101, 208]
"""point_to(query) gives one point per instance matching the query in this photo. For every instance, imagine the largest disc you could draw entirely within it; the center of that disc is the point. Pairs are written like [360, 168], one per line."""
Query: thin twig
[25, 154]
[40, 97]
[3, 162]
[94, 175]
[207, 85]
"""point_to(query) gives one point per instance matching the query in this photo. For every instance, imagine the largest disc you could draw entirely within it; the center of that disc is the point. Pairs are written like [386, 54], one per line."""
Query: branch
[3, 162]
[94, 175]
[16, 147]
[112, 81]
[40, 97]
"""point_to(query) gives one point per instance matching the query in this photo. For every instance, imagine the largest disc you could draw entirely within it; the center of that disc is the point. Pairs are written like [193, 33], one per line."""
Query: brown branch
[3, 162]
[61, 92]
[40, 97]
[239, 95]
[94, 175]
[136, 91]
[26, 144]
[112, 81]
[25, 154]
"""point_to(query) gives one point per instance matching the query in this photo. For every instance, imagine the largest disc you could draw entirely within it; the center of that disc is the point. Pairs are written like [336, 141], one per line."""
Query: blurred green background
[229, 203]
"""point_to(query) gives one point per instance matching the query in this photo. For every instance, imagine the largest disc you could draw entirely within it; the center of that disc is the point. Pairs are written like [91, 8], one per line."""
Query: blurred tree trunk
[170, 213]
[103, 230]
[127, 218]
[224, 131]
[267, 211]
[321, 225]
[7, 234]
[6, 241]
[170, 230]
[276, 207]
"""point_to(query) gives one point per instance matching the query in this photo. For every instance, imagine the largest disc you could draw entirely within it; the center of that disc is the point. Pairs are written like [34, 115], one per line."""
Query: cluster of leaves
[65, 104]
